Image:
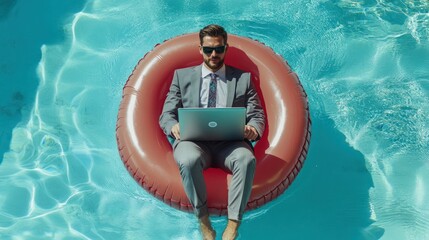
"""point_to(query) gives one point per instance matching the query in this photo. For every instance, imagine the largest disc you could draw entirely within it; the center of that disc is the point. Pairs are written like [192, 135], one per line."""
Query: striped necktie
[212, 90]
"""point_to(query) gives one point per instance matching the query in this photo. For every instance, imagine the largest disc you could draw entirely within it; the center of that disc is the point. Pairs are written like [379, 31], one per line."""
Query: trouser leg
[238, 158]
[192, 158]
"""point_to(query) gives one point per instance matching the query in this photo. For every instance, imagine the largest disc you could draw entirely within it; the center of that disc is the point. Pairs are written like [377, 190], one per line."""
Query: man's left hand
[250, 133]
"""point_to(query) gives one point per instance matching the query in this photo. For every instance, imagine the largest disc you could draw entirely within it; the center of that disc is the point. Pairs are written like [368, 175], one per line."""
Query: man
[213, 84]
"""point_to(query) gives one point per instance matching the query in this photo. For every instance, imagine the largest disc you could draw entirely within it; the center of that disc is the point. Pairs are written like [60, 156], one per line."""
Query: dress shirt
[221, 89]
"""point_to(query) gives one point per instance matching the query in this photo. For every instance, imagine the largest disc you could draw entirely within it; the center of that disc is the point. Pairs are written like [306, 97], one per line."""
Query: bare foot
[206, 228]
[231, 230]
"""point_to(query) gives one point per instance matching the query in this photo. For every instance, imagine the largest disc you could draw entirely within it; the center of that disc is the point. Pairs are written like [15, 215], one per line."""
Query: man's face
[213, 55]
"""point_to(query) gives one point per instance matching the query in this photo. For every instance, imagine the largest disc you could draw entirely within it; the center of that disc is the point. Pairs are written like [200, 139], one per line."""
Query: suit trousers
[236, 157]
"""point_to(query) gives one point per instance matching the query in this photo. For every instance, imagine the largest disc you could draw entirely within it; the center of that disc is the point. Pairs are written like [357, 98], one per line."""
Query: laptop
[212, 124]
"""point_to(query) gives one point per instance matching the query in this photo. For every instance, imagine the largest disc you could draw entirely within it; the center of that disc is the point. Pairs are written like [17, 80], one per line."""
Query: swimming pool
[362, 63]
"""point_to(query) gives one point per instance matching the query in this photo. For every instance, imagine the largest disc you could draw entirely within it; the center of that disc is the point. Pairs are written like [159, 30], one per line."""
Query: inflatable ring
[148, 156]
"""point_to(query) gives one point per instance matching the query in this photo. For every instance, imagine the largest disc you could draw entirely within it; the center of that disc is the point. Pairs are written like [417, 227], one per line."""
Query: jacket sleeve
[173, 102]
[255, 112]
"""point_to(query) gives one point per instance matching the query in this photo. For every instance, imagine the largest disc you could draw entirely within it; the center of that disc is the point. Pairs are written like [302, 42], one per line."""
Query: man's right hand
[175, 131]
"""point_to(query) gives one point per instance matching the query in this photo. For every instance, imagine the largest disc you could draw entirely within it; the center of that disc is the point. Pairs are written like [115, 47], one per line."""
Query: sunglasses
[209, 50]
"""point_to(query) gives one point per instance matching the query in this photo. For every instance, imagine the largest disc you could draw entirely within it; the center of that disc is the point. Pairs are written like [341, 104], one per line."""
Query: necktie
[212, 91]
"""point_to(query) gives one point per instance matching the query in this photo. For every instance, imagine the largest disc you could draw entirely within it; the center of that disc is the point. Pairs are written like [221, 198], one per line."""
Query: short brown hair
[213, 30]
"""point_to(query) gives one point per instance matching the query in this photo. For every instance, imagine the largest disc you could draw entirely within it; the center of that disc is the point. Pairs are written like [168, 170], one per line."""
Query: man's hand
[250, 133]
[175, 131]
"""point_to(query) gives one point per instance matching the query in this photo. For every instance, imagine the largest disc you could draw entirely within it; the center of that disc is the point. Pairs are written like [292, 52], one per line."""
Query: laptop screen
[212, 124]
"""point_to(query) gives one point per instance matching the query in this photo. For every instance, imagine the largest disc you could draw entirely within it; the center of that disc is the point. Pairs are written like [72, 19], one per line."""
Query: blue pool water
[363, 63]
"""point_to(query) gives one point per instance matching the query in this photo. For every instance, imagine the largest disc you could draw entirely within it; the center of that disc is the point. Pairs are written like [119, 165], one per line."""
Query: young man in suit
[214, 84]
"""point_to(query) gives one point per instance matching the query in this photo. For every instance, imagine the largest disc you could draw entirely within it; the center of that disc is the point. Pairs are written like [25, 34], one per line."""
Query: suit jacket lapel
[231, 84]
[195, 77]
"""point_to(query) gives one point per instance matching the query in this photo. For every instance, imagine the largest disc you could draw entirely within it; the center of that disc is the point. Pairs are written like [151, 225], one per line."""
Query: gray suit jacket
[185, 92]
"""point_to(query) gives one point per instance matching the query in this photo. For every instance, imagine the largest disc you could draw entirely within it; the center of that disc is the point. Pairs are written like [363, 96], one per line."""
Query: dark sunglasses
[209, 50]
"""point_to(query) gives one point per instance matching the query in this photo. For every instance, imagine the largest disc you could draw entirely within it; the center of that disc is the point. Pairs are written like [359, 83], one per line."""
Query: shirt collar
[220, 73]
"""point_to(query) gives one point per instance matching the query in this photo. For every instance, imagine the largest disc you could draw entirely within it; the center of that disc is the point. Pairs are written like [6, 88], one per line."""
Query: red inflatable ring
[147, 154]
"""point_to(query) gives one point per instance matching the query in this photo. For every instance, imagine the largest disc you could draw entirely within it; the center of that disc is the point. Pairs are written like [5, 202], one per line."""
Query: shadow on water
[25, 26]
[328, 200]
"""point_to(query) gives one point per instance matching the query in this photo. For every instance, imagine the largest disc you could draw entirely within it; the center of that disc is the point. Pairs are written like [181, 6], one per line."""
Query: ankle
[234, 224]
[205, 222]
[231, 230]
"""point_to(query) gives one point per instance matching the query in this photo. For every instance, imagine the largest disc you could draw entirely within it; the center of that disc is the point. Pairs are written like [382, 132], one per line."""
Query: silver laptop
[212, 124]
